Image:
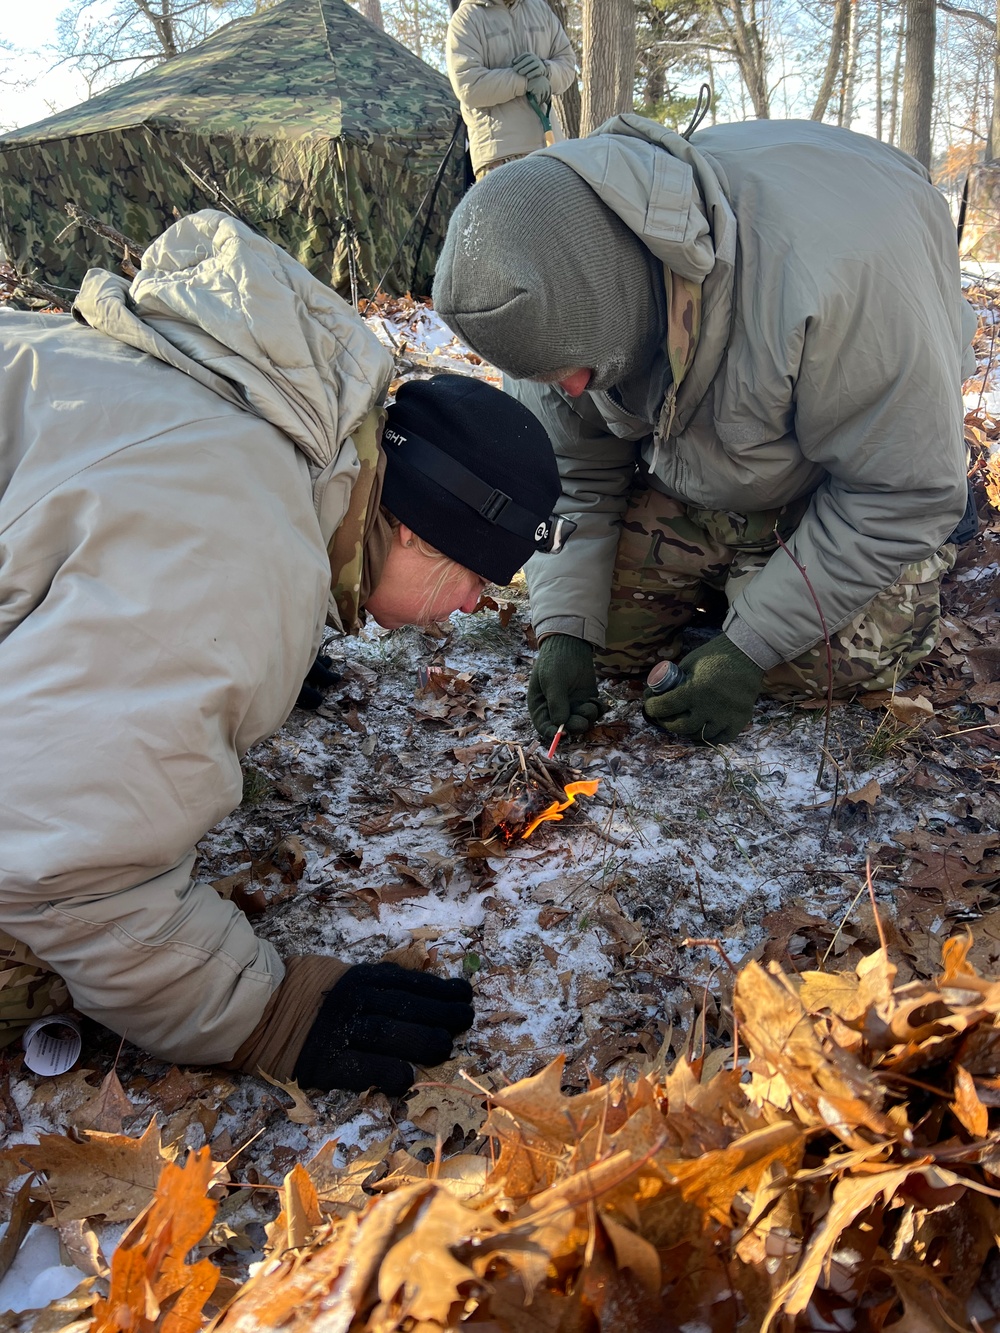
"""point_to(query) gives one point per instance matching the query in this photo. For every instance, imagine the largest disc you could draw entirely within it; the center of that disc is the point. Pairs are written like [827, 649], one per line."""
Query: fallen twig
[130, 250]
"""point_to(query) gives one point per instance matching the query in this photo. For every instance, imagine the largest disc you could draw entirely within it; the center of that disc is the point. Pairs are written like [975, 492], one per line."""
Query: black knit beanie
[506, 472]
[538, 275]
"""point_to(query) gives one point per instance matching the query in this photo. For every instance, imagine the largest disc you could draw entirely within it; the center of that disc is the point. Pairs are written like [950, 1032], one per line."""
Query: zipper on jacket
[669, 409]
[621, 410]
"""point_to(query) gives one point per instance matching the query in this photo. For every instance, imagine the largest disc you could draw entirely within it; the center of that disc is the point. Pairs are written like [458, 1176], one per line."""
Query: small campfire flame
[527, 790]
[555, 810]
[523, 812]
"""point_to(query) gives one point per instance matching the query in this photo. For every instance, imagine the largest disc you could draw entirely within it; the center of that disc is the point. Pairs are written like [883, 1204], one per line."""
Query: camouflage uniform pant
[497, 162]
[668, 551]
[28, 990]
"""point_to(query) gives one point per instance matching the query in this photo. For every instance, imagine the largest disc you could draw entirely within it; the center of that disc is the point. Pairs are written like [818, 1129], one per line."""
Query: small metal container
[663, 677]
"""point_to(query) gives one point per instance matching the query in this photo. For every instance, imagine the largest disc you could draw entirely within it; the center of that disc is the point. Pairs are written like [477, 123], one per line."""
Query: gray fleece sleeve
[571, 590]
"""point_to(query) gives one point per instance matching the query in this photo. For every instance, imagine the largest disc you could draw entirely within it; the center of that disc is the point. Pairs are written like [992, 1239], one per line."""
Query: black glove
[715, 700]
[563, 687]
[376, 1020]
[968, 524]
[318, 680]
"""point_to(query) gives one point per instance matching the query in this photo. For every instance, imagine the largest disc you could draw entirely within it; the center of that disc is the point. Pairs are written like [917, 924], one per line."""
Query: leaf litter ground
[600, 949]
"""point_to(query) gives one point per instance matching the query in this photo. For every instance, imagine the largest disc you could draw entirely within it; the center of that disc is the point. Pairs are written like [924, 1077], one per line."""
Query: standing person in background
[507, 59]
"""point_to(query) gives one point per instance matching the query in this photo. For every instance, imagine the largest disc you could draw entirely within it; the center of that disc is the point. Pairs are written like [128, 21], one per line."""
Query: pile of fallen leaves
[836, 1171]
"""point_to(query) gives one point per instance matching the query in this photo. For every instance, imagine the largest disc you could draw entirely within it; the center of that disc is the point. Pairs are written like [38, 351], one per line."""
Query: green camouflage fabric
[669, 550]
[683, 323]
[304, 120]
[347, 545]
[28, 990]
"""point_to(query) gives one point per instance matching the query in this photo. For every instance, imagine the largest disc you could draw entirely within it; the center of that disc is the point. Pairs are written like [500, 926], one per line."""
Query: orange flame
[555, 810]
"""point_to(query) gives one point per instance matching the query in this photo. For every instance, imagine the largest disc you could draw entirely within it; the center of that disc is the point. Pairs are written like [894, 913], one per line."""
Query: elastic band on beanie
[471, 471]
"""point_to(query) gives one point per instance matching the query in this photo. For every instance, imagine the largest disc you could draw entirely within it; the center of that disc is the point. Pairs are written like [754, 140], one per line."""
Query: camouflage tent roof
[302, 67]
[305, 120]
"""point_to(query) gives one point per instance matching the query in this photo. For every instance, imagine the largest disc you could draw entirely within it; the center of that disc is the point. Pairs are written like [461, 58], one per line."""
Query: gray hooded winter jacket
[830, 363]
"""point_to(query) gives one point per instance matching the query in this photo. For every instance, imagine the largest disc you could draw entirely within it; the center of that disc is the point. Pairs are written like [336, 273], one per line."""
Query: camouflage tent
[304, 120]
[979, 218]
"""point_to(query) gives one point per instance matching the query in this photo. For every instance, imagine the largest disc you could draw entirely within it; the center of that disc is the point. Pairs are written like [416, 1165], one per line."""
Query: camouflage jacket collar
[358, 548]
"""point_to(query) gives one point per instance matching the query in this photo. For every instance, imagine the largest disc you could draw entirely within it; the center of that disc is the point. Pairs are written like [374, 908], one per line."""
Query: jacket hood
[675, 202]
[239, 315]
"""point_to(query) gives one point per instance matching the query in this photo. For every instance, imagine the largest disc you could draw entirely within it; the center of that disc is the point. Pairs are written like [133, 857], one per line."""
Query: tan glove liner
[276, 1041]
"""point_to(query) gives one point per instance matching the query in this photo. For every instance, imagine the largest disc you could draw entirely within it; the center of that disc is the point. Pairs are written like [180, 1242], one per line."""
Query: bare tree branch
[961, 13]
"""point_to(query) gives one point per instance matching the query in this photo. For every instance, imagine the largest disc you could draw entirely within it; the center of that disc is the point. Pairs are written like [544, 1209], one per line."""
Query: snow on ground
[573, 935]
[976, 271]
[574, 939]
[418, 338]
[36, 1276]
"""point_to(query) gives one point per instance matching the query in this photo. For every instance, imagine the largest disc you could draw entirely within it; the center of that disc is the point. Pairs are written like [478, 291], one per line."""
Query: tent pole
[459, 124]
[350, 231]
[432, 188]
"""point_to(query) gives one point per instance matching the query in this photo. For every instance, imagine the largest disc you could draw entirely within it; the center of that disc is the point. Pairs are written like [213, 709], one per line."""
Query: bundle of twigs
[524, 782]
[18, 290]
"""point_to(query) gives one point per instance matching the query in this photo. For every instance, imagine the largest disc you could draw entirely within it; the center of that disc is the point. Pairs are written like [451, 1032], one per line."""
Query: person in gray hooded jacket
[748, 351]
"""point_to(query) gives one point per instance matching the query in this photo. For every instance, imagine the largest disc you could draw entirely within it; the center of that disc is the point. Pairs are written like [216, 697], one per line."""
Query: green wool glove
[529, 66]
[563, 687]
[715, 700]
[540, 88]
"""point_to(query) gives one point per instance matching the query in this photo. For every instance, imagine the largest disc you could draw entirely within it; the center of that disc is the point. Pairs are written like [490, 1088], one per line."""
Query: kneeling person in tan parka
[195, 473]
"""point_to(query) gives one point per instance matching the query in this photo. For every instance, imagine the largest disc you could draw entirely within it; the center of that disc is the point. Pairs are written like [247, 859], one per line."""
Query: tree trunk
[878, 69]
[851, 74]
[372, 11]
[418, 44]
[162, 21]
[746, 31]
[981, 233]
[656, 85]
[841, 91]
[569, 102]
[993, 137]
[608, 60]
[841, 14]
[918, 81]
[897, 67]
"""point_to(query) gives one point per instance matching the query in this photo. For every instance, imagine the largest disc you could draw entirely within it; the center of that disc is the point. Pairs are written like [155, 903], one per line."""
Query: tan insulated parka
[829, 363]
[484, 36]
[172, 465]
